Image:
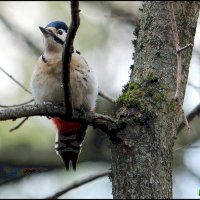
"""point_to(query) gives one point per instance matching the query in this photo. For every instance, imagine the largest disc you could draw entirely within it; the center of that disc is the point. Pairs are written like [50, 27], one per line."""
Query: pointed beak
[46, 32]
[49, 33]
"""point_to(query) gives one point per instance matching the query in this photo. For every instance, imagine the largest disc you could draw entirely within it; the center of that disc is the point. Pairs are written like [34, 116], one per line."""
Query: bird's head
[54, 35]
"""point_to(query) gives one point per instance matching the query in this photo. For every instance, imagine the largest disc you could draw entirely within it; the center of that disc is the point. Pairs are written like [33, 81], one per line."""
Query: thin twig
[194, 147]
[183, 147]
[176, 41]
[179, 61]
[189, 117]
[185, 120]
[16, 105]
[187, 146]
[178, 48]
[105, 96]
[78, 184]
[18, 83]
[66, 56]
[19, 125]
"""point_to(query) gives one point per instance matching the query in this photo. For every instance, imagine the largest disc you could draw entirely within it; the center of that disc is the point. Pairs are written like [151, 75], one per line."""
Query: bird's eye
[60, 32]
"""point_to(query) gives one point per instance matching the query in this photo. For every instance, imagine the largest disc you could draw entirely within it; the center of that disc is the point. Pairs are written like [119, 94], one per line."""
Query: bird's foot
[81, 110]
[49, 106]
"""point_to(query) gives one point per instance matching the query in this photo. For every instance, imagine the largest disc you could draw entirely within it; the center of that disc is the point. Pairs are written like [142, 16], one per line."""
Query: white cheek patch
[63, 36]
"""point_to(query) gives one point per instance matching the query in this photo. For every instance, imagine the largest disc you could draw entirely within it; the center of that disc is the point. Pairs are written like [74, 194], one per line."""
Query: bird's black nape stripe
[43, 58]
[58, 40]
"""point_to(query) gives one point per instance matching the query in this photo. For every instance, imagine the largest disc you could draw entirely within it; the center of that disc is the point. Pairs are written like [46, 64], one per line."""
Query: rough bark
[142, 163]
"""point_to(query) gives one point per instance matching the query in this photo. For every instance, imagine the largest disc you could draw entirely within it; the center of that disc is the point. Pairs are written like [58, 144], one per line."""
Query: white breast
[46, 84]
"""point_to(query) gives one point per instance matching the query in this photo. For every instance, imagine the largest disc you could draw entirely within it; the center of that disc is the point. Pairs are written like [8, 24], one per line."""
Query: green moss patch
[143, 94]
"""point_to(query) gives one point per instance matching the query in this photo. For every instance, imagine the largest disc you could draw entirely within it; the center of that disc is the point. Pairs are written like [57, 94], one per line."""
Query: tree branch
[105, 123]
[66, 56]
[80, 183]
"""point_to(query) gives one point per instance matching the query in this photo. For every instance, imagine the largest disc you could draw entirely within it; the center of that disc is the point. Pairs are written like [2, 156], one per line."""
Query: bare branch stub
[105, 96]
[19, 125]
[183, 48]
[66, 56]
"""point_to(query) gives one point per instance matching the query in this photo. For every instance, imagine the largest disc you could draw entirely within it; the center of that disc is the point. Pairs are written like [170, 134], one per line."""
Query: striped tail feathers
[69, 140]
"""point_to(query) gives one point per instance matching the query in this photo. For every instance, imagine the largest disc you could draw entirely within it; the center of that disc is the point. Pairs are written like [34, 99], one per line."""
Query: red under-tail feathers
[69, 140]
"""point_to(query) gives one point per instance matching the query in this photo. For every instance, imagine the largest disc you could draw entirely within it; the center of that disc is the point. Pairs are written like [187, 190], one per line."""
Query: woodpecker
[46, 86]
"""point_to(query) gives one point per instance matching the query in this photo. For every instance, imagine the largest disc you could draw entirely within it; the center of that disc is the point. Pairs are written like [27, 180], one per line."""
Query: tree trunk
[142, 163]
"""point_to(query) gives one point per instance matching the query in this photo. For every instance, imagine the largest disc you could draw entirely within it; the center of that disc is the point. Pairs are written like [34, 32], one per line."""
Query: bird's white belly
[83, 89]
[47, 89]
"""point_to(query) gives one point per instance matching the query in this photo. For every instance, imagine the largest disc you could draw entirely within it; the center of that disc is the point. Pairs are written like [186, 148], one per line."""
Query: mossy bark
[142, 163]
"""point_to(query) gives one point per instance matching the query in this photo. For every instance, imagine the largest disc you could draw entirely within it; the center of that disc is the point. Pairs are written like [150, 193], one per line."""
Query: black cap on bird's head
[56, 30]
